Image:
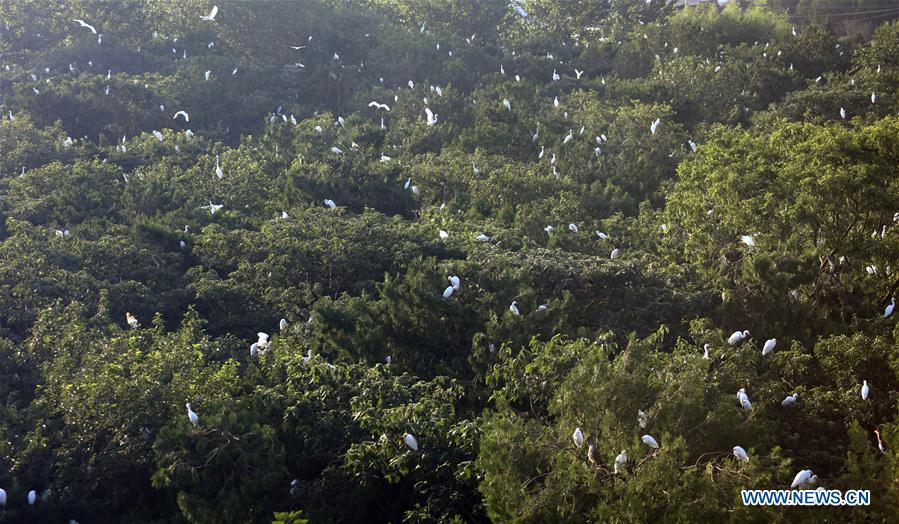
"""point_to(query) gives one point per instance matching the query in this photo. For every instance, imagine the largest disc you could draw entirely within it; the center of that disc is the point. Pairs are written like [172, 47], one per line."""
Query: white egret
[206, 75]
[213, 208]
[82, 23]
[549, 230]
[330, 203]
[211, 16]
[654, 125]
[158, 135]
[649, 441]
[455, 282]
[602, 235]
[131, 320]
[790, 400]
[880, 445]
[32, 497]
[183, 114]
[615, 253]
[736, 337]
[801, 478]
[569, 137]
[2, 497]
[482, 238]
[744, 399]
[740, 453]
[542, 307]
[507, 104]
[748, 240]
[572, 227]
[578, 73]
[578, 437]
[432, 118]
[194, 419]
[379, 105]
[513, 307]
[410, 441]
[865, 390]
[769, 346]
[842, 113]
[282, 325]
[873, 97]
[448, 292]
[556, 76]
[705, 349]
[620, 461]
[218, 168]
[442, 234]
[890, 308]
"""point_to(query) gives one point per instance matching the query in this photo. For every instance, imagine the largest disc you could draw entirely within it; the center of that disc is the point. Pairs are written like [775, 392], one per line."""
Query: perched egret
[507, 104]
[549, 230]
[790, 400]
[2, 497]
[865, 390]
[329, 203]
[448, 292]
[482, 238]
[769, 346]
[748, 240]
[842, 113]
[654, 125]
[801, 478]
[615, 253]
[578, 437]
[282, 325]
[736, 337]
[740, 453]
[602, 235]
[514, 308]
[211, 16]
[455, 282]
[132, 320]
[443, 235]
[32, 497]
[212, 208]
[620, 461]
[432, 118]
[649, 441]
[410, 441]
[194, 419]
[572, 227]
[206, 75]
[218, 168]
[889, 309]
[705, 349]
[744, 399]
[336, 150]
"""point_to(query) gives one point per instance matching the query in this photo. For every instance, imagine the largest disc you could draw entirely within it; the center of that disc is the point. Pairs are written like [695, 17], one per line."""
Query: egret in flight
[212, 207]
[82, 23]
[211, 16]
[379, 105]
[182, 113]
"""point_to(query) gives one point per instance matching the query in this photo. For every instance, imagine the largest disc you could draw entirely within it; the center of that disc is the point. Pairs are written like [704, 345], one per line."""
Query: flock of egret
[262, 343]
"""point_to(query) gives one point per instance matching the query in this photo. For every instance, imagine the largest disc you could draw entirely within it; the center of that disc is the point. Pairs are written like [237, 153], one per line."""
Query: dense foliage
[616, 185]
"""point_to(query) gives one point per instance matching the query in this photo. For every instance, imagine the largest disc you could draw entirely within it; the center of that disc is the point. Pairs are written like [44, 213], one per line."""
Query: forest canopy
[447, 260]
